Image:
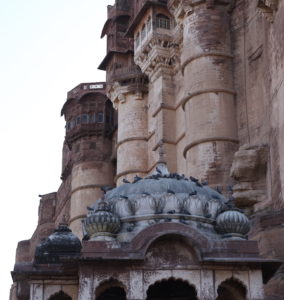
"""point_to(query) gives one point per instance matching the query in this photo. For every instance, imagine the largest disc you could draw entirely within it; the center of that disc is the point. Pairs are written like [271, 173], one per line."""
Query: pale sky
[47, 48]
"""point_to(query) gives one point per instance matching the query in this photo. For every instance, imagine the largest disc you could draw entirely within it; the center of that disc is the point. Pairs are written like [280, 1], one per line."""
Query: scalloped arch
[232, 287]
[109, 283]
[183, 288]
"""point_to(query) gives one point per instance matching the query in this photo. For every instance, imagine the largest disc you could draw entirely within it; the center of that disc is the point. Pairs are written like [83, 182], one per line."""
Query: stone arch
[194, 238]
[233, 289]
[110, 289]
[60, 296]
[171, 251]
[171, 288]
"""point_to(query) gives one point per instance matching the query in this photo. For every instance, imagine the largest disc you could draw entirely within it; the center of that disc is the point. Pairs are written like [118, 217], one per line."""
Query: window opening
[163, 22]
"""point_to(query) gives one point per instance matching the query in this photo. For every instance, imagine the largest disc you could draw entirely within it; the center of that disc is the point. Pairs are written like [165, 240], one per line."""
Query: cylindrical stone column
[132, 157]
[209, 104]
[87, 180]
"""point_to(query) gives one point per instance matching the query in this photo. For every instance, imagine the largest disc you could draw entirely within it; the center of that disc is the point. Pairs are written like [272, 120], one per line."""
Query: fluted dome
[101, 224]
[160, 197]
[233, 223]
[62, 242]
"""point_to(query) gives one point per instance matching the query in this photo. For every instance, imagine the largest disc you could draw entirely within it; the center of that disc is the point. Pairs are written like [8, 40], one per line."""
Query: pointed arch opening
[60, 296]
[111, 290]
[231, 289]
[171, 289]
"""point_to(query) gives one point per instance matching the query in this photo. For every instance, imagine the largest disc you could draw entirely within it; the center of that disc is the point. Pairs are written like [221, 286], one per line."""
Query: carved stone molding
[117, 94]
[267, 8]
[182, 9]
[159, 53]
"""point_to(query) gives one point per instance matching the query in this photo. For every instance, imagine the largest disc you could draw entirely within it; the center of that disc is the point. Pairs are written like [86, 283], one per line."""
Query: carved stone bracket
[116, 93]
[181, 9]
[267, 8]
[158, 53]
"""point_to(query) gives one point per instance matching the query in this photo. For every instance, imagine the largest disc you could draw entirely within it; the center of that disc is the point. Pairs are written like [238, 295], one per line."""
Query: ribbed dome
[161, 197]
[62, 242]
[233, 223]
[101, 223]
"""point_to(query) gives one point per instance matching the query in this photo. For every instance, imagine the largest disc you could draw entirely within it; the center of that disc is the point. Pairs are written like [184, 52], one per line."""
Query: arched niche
[171, 289]
[111, 289]
[231, 289]
[60, 296]
[171, 251]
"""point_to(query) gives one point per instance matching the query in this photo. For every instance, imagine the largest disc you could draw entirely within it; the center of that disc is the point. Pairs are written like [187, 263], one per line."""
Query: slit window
[78, 120]
[85, 119]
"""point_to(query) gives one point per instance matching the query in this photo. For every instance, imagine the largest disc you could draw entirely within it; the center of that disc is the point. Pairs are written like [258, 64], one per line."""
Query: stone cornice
[182, 9]
[158, 54]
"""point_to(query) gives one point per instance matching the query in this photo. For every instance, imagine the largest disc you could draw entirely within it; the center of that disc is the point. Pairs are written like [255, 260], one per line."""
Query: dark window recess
[93, 145]
[78, 120]
[100, 118]
[68, 126]
[163, 22]
[85, 119]
[107, 119]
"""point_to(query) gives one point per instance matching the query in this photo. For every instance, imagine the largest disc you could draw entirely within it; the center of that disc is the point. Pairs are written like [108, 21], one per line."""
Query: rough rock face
[249, 171]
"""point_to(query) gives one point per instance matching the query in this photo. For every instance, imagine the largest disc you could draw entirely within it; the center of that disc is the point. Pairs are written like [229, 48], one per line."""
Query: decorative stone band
[208, 140]
[131, 171]
[130, 139]
[76, 218]
[205, 91]
[89, 186]
[163, 106]
[218, 54]
[165, 141]
[177, 216]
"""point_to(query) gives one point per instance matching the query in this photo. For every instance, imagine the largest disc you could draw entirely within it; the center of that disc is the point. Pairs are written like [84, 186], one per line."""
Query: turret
[87, 155]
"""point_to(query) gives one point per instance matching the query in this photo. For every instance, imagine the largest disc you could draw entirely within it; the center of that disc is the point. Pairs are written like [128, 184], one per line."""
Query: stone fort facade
[172, 169]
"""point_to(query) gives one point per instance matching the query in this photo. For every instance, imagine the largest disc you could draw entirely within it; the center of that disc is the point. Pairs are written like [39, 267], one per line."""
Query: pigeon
[204, 182]
[198, 184]
[106, 188]
[171, 211]
[125, 180]
[90, 208]
[208, 216]
[193, 179]
[170, 191]
[136, 179]
[123, 197]
[193, 193]
[218, 189]
[146, 194]
[158, 170]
